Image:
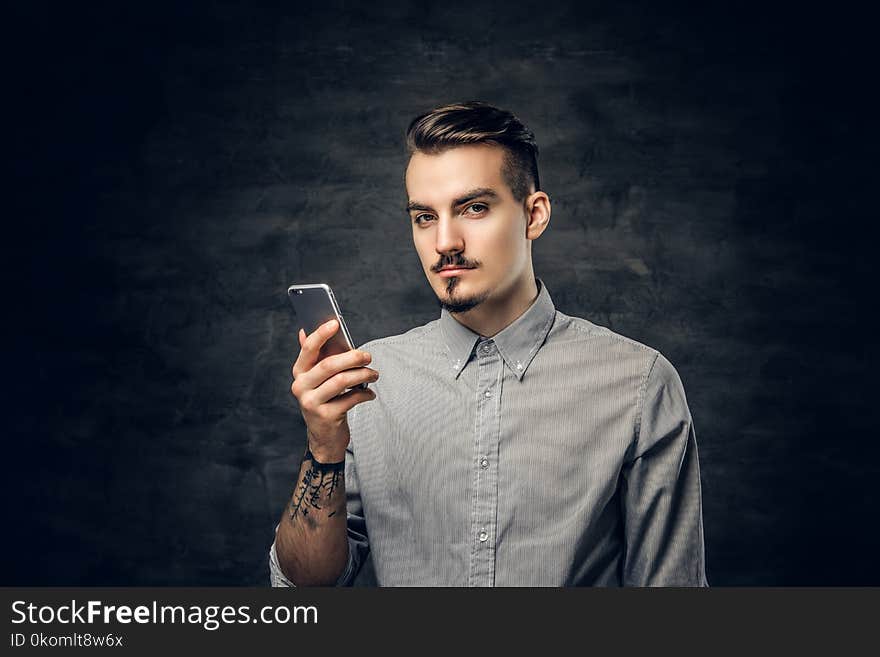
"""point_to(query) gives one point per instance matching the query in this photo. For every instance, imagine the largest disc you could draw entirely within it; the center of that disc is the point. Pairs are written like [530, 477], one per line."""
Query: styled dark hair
[474, 122]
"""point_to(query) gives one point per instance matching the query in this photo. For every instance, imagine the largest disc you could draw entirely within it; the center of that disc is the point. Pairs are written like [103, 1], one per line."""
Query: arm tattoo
[316, 489]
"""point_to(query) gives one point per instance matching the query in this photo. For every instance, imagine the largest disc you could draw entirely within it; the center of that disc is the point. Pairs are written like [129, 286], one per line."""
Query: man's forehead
[455, 171]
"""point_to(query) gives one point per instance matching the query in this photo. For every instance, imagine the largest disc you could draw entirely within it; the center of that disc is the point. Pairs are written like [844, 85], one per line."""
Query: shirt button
[518, 365]
[484, 463]
[484, 536]
[488, 393]
[486, 348]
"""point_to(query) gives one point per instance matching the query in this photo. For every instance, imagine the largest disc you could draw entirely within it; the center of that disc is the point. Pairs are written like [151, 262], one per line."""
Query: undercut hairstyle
[476, 122]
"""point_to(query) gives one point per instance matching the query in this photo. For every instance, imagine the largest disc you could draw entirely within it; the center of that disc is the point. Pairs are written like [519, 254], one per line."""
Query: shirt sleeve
[661, 492]
[358, 543]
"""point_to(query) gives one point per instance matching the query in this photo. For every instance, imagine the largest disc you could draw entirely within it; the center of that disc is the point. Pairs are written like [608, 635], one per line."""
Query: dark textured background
[176, 166]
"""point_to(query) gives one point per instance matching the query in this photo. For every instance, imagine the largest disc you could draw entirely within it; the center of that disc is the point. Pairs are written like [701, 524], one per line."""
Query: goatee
[454, 304]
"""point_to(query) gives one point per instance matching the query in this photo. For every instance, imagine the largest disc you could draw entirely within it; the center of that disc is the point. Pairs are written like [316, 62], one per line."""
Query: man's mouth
[453, 270]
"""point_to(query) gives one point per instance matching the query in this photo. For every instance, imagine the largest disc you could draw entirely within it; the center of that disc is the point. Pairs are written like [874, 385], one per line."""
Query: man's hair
[476, 122]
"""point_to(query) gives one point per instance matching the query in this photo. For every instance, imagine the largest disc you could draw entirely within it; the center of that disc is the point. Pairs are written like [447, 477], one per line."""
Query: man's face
[464, 213]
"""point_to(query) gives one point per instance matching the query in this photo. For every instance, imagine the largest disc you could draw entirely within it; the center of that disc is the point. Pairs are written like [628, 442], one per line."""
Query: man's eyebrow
[468, 196]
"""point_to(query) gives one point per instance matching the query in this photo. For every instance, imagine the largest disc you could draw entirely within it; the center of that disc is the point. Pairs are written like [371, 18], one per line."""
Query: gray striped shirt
[555, 453]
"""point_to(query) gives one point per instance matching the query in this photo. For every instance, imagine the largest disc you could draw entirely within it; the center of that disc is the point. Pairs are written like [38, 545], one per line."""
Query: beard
[455, 303]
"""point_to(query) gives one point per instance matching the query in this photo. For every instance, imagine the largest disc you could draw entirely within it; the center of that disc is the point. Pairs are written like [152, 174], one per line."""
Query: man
[506, 443]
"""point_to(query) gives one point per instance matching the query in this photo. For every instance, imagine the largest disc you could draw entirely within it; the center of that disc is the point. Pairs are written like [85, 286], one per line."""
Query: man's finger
[302, 342]
[330, 366]
[333, 386]
[313, 343]
[346, 401]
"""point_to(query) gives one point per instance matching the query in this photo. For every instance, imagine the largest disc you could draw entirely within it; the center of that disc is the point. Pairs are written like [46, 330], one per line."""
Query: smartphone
[315, 304]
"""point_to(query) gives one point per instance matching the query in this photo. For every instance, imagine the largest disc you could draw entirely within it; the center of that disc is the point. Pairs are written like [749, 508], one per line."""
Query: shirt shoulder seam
[640, 402]
[605, 331]
[411, 335]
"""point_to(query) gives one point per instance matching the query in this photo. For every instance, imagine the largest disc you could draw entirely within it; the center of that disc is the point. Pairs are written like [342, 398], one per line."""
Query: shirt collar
[517, 343]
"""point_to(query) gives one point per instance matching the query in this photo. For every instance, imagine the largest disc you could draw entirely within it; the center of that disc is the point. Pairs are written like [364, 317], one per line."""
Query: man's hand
[317, 385]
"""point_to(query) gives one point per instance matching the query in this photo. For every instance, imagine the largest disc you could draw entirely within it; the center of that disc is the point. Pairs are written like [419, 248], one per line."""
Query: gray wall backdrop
[178, 165]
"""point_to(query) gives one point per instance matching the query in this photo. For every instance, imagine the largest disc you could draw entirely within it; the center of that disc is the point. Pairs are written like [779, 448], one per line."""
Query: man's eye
[478, 208]
[419, 217]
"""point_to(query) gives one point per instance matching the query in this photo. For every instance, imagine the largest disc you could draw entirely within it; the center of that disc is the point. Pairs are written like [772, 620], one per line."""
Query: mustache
[457, 262]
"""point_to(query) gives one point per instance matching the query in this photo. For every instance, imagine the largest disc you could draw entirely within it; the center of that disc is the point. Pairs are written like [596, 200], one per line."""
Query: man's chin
[460, 303]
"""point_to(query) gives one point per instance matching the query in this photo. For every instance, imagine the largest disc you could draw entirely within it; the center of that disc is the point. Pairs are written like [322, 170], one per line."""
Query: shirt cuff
[276, 577]
[348, 571]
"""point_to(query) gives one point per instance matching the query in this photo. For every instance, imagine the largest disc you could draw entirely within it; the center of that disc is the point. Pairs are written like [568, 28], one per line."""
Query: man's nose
[449, 237]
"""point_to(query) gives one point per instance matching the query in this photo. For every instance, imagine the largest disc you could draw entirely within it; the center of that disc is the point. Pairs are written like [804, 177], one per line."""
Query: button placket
[485, 491]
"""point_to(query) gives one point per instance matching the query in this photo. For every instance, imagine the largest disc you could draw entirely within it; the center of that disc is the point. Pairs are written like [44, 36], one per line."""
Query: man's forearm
[311, 542]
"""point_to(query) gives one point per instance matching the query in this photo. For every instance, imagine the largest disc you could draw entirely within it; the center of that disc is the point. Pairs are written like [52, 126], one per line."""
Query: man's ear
[537, 208]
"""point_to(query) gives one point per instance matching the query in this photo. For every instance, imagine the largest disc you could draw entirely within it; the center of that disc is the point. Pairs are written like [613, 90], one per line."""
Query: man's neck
[495, 314]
